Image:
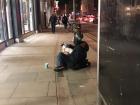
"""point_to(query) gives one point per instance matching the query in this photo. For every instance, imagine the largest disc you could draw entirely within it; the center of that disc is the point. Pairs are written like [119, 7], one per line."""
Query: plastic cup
[46, 65]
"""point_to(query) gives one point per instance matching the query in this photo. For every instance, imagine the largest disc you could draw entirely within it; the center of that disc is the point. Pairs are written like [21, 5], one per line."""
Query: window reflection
[6, 26]
[5, 13]
[1, 22]
[9, 19]
[26, 15]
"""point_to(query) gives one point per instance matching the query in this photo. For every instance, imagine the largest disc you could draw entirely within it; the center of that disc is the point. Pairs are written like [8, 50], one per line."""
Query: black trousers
[53, 27]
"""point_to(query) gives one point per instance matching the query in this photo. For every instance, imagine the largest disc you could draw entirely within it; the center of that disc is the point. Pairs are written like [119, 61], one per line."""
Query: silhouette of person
[52, 21]
[65, 21]
[75, 59]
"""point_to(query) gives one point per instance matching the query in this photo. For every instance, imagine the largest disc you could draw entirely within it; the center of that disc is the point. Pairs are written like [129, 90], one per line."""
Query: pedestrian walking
[75, 59]
[65, 21]
[52, 21]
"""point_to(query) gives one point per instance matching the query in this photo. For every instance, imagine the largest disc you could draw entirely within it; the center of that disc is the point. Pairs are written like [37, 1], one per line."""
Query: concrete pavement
[25, 81]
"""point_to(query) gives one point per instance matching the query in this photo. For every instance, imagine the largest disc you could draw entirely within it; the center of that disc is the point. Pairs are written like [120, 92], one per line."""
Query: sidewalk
[25, 81]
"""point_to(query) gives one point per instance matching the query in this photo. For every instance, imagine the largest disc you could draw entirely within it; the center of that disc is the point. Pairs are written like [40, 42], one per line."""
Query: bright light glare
[127, 8]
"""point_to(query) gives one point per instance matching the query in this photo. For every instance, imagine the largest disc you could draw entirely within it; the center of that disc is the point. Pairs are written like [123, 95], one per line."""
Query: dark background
[119, 68]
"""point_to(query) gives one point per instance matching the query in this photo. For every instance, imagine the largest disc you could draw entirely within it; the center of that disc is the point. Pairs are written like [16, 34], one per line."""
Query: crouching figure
[74, 58]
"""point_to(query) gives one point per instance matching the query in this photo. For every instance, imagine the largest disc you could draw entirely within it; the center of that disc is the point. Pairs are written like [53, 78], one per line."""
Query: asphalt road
[89, 28]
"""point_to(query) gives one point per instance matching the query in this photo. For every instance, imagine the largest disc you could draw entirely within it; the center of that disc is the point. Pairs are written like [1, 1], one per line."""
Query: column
[36, 12]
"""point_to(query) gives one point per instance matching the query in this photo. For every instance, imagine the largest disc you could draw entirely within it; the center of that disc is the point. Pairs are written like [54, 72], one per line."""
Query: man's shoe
[60, 68]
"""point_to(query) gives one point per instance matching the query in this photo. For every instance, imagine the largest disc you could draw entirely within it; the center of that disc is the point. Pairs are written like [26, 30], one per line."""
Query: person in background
[52, 21]
[65, 21]
[58, 20]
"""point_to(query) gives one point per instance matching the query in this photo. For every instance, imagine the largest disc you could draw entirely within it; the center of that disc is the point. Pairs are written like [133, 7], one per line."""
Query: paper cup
[46, 65]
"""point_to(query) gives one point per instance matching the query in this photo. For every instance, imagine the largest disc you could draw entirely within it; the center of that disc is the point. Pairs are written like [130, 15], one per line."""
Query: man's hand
[66, 50]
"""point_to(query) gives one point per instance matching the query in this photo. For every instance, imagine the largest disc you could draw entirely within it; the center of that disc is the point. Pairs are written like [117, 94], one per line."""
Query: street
[90, 28]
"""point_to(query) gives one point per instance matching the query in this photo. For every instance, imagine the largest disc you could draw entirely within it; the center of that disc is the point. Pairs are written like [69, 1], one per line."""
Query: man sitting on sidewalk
[75, 59]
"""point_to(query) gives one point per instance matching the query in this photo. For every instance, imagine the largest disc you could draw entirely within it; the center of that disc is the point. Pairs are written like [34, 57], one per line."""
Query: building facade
[87, 7]
[20, 18]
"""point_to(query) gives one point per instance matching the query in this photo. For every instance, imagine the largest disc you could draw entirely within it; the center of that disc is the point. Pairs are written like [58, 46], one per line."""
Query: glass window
[26, 15]
[1, 22]
[9, 19]
[5, 28]
[31, 15]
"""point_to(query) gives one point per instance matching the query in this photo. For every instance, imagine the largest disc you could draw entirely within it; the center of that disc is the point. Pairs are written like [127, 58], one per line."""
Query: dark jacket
[53, 19]
[79, 55]
[64, 20]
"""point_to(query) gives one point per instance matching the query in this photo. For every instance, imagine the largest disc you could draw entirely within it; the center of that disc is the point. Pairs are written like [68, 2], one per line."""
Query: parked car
[95, 21]
[86, 18]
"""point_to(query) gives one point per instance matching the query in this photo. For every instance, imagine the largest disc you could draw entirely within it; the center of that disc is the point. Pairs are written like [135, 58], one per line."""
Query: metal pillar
[74, 15]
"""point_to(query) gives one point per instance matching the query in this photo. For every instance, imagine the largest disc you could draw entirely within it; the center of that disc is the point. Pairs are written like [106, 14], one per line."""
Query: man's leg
[61, 59]
[53, 29]
[66, 26]
[61, 62]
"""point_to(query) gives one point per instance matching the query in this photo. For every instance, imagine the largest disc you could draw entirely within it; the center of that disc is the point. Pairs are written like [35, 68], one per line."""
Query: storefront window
[5, 28]
[31, 15]
[1, 22]
[26, 15]
[8, 18]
